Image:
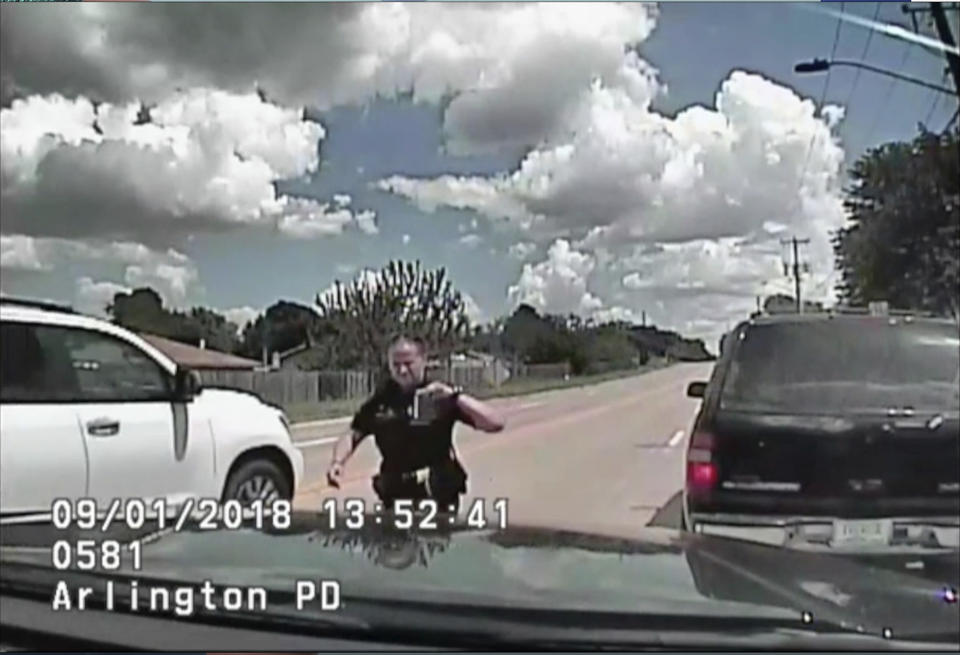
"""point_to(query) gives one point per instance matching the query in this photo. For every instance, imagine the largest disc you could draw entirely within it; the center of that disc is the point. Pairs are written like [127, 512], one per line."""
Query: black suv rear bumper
[902, 534]
[851, 507]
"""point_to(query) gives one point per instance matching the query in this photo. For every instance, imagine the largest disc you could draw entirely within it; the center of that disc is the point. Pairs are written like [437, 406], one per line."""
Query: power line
[863, 56]
[946, 128]
[883, 106]
[823, 99]
[933, 105]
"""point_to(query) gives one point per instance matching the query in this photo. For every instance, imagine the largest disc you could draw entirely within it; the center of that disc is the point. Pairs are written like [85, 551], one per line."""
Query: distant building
[485, 367]
[303, 358]
[200, 359]
[784, 304]
[489, 369]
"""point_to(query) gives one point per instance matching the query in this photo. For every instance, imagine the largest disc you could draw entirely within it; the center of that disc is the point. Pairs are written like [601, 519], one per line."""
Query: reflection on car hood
[659, 572]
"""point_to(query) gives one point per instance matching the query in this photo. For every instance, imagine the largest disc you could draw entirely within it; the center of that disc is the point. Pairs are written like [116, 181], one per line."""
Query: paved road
[608, 454]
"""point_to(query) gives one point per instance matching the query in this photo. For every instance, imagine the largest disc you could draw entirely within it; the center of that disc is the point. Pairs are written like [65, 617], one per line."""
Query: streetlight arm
[882, 71]
[819, 65]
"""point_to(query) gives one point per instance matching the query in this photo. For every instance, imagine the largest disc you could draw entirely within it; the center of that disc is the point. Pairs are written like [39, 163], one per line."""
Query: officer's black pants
[413, 491]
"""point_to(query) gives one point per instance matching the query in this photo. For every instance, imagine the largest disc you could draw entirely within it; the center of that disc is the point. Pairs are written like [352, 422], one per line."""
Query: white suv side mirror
[186, 384]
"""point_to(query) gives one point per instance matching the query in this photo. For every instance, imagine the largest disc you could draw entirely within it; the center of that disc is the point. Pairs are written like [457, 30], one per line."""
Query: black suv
[833, 431]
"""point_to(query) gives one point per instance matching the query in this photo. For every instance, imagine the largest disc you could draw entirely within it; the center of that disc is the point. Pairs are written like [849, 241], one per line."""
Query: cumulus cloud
[701, 288]
[698, 202]
[481, 194]
[173, 281]
[496, 64]
[240, 316]
[170, 272]
[639, 176]
[471, 240]
[308, 219]
[22, 253]
[721, 267]
[613, 185]
[521, 250]
[557, 285]
[205, 161]
[92, 297]
[366, 221]
[474, 312]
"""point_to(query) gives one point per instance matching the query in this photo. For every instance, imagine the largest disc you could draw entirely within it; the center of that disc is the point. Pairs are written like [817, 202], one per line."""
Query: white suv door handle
[103, 427]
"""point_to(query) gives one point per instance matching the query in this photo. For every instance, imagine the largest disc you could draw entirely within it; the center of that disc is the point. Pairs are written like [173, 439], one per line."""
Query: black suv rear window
[840, 366]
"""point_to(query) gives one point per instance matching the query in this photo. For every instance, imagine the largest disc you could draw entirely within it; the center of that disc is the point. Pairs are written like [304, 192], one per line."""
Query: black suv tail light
[702, 474]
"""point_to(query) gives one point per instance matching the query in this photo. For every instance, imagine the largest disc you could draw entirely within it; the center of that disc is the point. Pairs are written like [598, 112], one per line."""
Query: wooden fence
[289, 386]
[286, 387]
[543, 371]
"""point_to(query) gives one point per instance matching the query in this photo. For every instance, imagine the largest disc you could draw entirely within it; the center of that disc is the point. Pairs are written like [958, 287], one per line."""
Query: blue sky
[695, 47]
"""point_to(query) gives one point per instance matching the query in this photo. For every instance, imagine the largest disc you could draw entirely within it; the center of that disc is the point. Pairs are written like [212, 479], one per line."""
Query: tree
[586, 346]
[142, 310]
[215, 330]
[609, 347]
[283, 326]
[522, 330]
[902, 244]
[401, 297]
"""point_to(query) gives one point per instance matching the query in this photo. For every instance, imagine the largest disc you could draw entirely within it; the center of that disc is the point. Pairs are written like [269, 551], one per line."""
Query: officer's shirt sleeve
[364, 421]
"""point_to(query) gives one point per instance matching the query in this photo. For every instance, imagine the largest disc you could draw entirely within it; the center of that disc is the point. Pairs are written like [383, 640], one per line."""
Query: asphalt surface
[606, 454]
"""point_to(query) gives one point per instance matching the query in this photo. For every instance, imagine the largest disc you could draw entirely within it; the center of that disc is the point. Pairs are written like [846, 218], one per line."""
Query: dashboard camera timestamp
[427, 514]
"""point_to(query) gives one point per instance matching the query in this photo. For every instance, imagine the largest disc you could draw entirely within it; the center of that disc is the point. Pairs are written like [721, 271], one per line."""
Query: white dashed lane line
[530, 405]
[675, 439]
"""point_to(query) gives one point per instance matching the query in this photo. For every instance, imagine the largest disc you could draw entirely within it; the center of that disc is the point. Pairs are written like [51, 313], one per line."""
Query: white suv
[90, 410]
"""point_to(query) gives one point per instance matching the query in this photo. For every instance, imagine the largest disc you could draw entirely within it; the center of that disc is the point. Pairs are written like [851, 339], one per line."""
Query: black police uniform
[406, 447]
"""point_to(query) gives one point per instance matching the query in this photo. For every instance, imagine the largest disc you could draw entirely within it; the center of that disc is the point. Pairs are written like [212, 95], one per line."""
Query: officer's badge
[385, 413]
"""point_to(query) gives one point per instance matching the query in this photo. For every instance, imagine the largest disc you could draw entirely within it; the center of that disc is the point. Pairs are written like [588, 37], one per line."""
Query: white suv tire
[258, 479]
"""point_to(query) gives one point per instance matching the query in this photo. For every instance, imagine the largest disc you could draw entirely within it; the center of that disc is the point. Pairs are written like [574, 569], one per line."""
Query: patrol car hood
[655, 572]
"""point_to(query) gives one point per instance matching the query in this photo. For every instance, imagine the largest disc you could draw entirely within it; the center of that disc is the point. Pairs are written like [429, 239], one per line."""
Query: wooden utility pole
[797, 268]
[938, 11]
[943, 29]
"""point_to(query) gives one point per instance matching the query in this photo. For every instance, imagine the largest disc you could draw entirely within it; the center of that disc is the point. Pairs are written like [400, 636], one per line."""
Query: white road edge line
[315, 442]
[531, 405]
[675, 439]
[326, 421]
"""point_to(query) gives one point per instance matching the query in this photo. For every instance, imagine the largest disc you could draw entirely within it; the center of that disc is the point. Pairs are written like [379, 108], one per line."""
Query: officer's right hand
[334, 473]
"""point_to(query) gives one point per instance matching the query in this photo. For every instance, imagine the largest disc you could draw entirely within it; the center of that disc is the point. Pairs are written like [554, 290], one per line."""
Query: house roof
[303, 347]
[198, 358]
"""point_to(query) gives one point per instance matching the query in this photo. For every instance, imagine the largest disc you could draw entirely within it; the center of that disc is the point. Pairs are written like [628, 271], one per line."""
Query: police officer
[418, 459]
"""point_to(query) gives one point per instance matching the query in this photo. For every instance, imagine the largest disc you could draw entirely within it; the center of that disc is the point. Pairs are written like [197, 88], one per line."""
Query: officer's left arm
[479, 414]
[475, 413]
